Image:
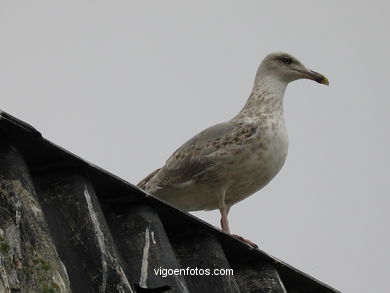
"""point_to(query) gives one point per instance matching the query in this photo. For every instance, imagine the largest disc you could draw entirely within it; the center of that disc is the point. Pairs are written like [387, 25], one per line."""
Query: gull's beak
[318, 77]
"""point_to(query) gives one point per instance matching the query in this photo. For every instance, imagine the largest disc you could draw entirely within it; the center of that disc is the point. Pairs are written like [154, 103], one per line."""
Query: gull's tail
[143, 182]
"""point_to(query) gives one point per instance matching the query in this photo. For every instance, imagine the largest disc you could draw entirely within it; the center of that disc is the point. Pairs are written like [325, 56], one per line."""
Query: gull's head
[287, 68]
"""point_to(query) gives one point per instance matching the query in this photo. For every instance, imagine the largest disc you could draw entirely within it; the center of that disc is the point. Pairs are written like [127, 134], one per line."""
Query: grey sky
[124, 83]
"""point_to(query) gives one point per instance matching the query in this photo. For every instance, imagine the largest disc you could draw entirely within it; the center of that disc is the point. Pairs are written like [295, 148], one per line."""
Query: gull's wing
[196, 156]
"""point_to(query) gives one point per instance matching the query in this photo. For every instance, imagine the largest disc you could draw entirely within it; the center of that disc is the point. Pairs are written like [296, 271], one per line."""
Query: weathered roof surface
[66, 225]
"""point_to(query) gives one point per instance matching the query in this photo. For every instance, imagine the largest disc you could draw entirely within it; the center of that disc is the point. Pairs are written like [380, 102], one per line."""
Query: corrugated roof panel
[68, 225]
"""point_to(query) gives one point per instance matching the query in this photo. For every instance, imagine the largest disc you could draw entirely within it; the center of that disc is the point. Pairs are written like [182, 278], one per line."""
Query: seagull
[232, 160]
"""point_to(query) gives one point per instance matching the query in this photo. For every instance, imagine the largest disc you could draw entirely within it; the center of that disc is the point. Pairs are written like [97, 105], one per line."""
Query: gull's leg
[224, 210]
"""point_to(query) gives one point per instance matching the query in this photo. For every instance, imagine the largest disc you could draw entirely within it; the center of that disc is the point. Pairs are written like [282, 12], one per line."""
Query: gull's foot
[250, 243]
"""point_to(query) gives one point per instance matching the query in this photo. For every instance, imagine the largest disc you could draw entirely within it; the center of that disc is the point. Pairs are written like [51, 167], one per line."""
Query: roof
[71, 226]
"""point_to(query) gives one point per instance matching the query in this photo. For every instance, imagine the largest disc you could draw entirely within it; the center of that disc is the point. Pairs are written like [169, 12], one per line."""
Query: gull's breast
[261, 160]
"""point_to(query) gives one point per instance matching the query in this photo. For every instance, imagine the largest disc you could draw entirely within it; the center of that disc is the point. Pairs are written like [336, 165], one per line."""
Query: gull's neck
[266, 98]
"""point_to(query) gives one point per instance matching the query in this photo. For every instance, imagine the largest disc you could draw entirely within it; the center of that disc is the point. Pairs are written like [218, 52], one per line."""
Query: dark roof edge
[19, 123]
[26, 129]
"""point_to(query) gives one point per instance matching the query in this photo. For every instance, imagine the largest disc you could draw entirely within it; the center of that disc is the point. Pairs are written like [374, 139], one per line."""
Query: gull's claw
[250, 243]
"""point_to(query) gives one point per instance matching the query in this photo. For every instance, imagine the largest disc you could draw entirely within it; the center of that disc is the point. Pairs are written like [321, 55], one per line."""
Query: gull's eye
[286, 60]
